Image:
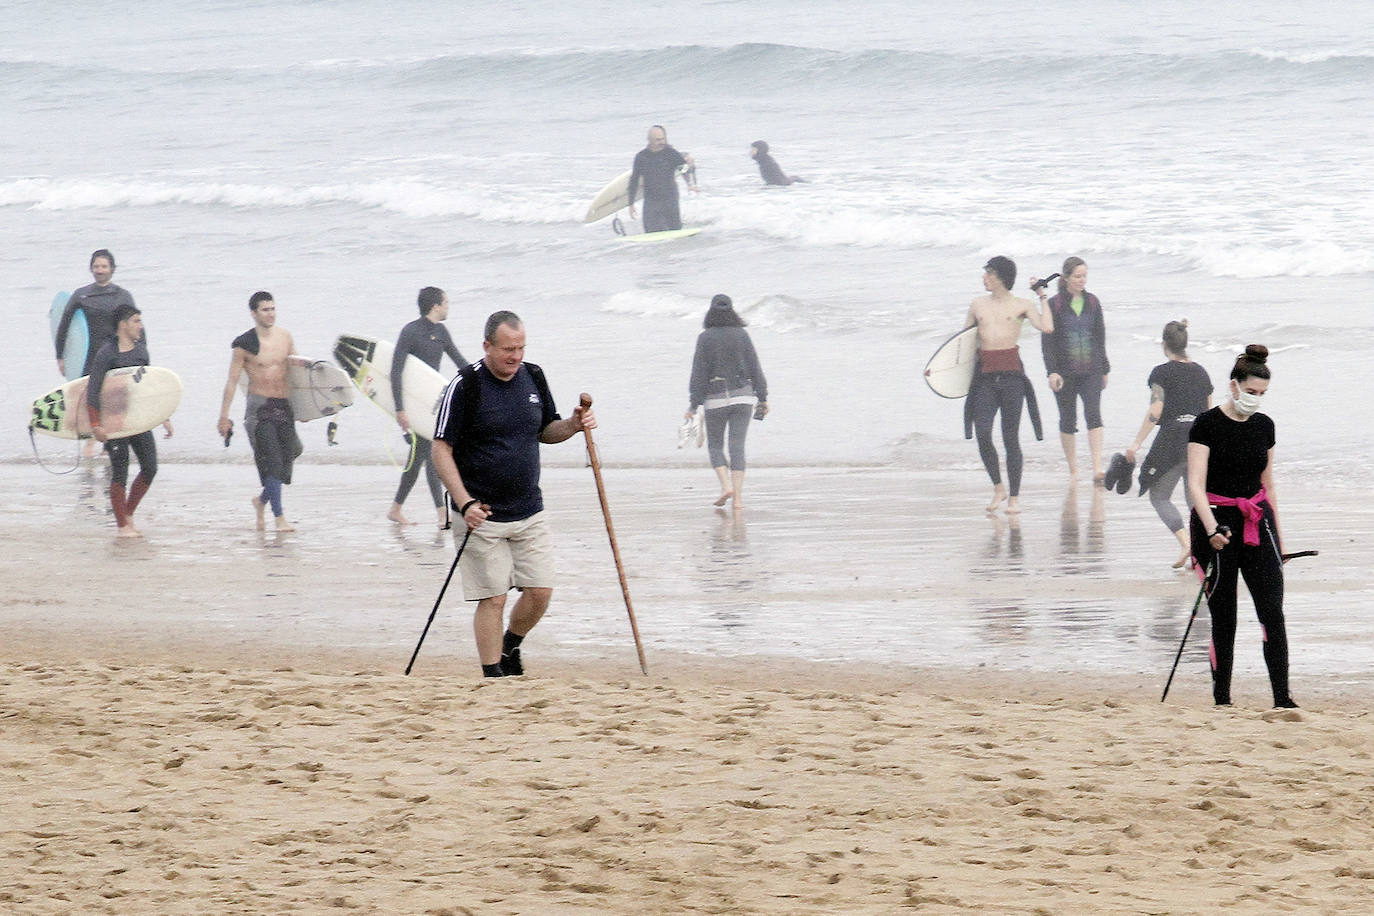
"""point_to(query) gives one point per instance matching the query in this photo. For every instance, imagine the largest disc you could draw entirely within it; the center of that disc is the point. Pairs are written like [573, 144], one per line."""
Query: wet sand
[862, 695]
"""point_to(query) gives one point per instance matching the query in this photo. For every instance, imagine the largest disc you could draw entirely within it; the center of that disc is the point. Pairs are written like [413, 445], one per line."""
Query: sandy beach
[235, 735]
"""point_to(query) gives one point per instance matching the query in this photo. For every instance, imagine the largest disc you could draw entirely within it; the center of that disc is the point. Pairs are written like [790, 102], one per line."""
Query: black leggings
[145, 449]
[412, 473]
[1262, 568]
[1005, 392]
[1088, 388]
[736, 417]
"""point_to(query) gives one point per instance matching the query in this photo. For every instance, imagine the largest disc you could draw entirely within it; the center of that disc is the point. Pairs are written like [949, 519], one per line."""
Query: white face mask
[1246, 403]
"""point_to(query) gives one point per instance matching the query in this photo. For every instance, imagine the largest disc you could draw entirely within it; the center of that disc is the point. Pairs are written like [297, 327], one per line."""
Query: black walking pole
[1188, 629]
[1284, 558]
[414, 655]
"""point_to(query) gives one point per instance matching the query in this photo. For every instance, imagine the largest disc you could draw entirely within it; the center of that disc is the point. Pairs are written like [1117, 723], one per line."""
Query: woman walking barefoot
[1180, 390]
[728, 380]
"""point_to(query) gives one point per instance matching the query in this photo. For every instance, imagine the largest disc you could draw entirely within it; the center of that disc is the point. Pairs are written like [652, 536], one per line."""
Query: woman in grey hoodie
[728, 380]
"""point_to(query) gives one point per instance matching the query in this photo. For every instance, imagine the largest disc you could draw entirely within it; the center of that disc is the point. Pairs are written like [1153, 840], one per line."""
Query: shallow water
[866, 567]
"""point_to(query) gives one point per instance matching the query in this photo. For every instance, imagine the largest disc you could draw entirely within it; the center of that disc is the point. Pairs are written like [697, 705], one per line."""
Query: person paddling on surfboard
[1000, 383]
[656, 166]
[768, 166]
[127, 349]
[99, 301]
[262, 352]
[427, 340]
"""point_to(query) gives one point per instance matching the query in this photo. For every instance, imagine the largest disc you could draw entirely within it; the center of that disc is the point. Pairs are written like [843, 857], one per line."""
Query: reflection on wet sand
[880, 565]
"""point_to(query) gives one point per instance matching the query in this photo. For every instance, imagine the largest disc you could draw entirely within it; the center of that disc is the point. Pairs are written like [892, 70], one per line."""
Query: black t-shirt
[497, 451]
[1186, 388]
[1239, 451]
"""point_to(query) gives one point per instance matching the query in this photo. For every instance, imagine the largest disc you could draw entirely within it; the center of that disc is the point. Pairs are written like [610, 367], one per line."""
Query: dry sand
[224, 742]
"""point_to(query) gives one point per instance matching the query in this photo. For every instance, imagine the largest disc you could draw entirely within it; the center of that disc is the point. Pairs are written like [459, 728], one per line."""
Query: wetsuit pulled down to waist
[272, 434]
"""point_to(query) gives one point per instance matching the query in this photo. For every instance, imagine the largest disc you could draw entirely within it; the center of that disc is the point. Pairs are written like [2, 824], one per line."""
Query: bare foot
[260, 509]
[1014, 506]
[724, 498]
[128, 531]
[1183, 559]
[283, 525]
[999, 493]
[396, 516]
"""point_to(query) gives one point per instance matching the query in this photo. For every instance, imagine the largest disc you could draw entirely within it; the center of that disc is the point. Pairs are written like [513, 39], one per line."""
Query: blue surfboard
[78, 336]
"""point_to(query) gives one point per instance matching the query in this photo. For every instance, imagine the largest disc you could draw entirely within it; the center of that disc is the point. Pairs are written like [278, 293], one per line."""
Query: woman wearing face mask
[1180, 390]
[1235, 526]
[1076, 362]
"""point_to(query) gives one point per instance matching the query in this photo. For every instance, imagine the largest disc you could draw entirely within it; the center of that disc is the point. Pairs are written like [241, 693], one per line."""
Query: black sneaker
[510, 663]
[1286, 703]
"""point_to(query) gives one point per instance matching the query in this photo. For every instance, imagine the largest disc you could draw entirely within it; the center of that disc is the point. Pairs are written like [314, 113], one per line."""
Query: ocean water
[1209, 161]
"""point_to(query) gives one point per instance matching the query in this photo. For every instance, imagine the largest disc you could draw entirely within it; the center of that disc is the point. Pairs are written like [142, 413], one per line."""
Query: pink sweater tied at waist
[1252, 508]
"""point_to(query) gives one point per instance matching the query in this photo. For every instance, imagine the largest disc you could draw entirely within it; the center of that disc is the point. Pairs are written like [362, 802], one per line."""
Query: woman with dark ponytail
[1180, 390]
[1235, 525]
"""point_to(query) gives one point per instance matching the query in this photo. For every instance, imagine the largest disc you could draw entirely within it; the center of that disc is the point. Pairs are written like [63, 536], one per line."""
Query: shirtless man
[1000, 382]
[262, 352]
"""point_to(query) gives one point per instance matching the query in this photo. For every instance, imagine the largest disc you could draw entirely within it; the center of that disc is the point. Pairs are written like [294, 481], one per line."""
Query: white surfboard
[950, 371]
[367, 361]
[133, 400]
[318, 389]
[612, 198]
[616, 197]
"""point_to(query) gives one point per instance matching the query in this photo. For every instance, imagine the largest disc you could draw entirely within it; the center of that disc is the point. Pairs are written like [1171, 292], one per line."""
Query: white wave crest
[408, 197]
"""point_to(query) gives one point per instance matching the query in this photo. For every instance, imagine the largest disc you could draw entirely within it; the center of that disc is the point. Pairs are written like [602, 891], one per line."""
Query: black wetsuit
[428, 341]
[1238, 455]
[768, 166]
[271, 433]
[144, 445]
[658, 172]
[1004, 391]
[99, 304]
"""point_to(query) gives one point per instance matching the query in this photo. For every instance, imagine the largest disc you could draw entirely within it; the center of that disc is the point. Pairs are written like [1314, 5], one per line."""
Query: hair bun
[1257, 352]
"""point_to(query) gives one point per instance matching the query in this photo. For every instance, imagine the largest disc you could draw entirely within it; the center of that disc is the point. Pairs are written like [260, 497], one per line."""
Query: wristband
[468, 505]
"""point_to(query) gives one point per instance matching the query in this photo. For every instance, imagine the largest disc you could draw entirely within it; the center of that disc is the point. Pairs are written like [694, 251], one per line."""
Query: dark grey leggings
[1162, 496]
[736, 417]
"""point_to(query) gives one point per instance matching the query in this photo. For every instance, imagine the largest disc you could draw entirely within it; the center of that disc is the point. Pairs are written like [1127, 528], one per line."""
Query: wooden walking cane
[610, 532]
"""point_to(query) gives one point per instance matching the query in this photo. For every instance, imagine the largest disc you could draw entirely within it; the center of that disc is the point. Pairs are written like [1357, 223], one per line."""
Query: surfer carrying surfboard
[127, 349]
[98, 301]
[263, 353]
[493, 416]
[656, 166]
[428, 340]
[1000, 384]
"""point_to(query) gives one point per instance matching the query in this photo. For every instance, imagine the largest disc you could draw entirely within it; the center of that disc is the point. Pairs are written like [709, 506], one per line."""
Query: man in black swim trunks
[263, 353]
[656, 166]
[427, 340]
[493, 416]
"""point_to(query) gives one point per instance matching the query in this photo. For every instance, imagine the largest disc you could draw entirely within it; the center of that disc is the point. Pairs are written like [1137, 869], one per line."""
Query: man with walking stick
[492, 419]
